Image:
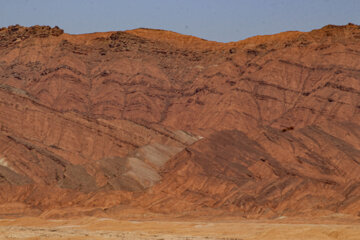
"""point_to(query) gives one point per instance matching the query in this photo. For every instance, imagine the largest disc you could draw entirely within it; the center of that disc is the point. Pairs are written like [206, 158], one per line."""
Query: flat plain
[106, 228]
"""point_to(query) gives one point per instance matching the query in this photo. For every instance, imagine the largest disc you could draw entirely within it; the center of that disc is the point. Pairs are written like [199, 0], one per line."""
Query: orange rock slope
[161, 122]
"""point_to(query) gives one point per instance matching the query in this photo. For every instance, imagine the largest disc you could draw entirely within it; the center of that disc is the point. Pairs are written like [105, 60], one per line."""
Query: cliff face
[163, 122]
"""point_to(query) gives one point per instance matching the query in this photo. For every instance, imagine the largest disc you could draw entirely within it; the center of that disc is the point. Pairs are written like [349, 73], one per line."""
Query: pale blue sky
[218, 20]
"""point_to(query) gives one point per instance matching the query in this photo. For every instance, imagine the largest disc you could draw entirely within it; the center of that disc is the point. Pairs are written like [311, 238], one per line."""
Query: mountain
[164, 123]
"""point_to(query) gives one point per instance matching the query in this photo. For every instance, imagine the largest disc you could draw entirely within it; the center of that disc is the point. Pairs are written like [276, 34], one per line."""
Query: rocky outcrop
[164, 122]
[13, 35]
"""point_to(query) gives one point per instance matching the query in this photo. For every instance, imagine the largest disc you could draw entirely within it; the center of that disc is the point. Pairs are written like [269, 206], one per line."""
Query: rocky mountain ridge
[168, 123]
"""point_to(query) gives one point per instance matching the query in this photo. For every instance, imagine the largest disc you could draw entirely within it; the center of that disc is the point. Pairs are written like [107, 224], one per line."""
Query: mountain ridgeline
[164, 123]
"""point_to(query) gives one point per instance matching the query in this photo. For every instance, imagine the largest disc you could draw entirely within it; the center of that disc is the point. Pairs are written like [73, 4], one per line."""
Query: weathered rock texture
[168, 123]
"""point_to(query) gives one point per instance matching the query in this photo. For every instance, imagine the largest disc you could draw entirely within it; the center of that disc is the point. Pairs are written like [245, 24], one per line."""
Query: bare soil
[106, 228]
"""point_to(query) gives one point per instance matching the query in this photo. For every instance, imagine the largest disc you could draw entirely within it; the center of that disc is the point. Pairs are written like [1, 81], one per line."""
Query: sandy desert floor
[105, 228]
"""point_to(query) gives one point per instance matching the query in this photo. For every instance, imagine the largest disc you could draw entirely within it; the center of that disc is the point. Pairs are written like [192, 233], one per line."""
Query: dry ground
[105, 228]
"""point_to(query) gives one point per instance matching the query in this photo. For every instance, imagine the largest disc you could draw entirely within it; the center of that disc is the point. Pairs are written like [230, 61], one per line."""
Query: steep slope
[109, 119]
[304, 172]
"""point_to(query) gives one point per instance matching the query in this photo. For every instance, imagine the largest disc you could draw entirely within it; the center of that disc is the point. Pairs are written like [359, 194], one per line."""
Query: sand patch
[106, 228]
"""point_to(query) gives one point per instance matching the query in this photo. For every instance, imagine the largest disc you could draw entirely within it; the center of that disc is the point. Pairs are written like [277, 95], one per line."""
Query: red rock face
[163, 122]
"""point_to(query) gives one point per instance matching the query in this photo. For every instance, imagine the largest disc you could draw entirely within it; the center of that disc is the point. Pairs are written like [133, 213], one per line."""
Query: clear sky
[218, 20]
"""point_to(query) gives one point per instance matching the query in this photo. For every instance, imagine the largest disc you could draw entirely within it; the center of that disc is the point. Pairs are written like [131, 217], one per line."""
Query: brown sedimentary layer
[110, 119]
